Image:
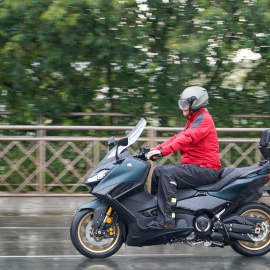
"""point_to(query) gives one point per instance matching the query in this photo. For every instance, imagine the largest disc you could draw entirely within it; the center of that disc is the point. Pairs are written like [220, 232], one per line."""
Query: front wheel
[261, 244]
[86, 240]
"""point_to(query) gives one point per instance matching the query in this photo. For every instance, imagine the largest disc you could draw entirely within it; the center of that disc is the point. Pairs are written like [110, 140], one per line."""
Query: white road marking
[33, 228]
[81, 256]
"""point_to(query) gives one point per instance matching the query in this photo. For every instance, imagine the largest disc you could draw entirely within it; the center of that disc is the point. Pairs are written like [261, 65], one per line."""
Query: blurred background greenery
[133, 57]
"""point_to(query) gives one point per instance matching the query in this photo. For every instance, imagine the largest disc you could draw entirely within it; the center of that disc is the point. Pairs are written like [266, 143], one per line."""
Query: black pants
[167, 179]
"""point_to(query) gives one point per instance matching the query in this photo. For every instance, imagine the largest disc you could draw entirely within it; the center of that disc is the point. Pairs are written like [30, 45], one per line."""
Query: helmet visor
[183, 104]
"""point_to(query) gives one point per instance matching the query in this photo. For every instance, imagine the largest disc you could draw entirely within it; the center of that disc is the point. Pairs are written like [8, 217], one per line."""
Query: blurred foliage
[133, 57]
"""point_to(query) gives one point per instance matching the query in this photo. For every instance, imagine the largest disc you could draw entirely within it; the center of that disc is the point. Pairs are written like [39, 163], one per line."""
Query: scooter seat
[228, 175]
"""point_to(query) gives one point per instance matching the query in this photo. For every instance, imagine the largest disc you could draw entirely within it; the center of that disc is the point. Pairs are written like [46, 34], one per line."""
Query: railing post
[152, 135]
[258, 155]
[96, 153]
[41, 158]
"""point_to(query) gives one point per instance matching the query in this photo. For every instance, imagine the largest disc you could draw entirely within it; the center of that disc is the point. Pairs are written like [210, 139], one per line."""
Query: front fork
[107, 220]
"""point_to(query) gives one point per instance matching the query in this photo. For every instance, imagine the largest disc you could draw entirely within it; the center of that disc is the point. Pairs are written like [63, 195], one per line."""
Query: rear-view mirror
[123, 141]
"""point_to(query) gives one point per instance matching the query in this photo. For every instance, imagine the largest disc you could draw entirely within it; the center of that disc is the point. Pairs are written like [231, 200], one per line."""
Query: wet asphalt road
[34, 234]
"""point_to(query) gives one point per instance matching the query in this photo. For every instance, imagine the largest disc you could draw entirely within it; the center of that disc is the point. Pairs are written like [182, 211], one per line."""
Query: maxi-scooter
[224, 213]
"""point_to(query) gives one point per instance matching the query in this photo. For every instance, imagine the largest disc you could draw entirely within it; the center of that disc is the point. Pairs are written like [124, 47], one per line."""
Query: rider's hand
[155, 153]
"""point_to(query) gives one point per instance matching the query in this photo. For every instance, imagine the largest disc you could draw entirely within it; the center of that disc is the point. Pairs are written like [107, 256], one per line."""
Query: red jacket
[198, 143]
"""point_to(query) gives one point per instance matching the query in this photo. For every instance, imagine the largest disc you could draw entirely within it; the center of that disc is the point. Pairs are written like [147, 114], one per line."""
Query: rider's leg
[167, 198]
[170, 178]
[155, 180]
[156, 177]
[166, 193]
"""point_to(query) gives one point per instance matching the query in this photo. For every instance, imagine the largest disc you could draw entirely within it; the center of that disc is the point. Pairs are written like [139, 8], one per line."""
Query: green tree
[135, 57]
[201, 43]
[69, 56]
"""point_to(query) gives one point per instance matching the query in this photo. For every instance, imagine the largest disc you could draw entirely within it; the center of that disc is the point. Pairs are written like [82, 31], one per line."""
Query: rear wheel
[261, 244]
[86, 240]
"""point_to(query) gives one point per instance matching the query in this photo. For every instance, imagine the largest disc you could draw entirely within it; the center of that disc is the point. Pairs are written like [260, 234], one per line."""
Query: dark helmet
[193, 98]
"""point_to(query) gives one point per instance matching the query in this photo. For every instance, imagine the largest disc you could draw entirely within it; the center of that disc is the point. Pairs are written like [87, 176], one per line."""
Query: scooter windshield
[133, 135]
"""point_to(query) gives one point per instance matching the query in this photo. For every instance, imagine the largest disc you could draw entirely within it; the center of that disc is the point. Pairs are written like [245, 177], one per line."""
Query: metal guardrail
[44, 165]
[42, 127]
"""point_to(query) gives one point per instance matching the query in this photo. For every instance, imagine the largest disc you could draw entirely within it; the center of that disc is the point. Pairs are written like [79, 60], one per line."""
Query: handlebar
[155, 157]
[143, 152]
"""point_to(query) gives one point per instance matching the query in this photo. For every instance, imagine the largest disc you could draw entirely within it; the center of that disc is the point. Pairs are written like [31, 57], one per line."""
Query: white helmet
[193, 98]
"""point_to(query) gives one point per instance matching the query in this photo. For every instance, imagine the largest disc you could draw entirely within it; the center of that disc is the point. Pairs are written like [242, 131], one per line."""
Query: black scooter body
[226, 212]
[136, 207]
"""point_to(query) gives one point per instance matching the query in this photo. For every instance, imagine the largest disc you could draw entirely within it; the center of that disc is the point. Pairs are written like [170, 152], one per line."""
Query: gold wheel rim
[90, 242]
[263, 239]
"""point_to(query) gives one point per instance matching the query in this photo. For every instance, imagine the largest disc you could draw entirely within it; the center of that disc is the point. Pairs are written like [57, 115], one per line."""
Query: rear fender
[241, 205]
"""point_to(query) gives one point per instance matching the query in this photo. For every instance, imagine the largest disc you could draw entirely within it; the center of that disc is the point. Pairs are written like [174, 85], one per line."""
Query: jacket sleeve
[160, 146]
[198, 130]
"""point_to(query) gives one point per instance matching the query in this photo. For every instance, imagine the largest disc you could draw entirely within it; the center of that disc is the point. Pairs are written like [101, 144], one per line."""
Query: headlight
[98, 177]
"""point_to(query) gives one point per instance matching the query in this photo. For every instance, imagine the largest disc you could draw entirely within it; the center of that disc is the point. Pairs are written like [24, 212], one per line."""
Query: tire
[261, 245]
[90, 245]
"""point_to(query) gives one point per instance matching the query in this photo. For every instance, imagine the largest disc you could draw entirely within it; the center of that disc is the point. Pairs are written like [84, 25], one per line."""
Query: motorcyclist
[198, 145]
